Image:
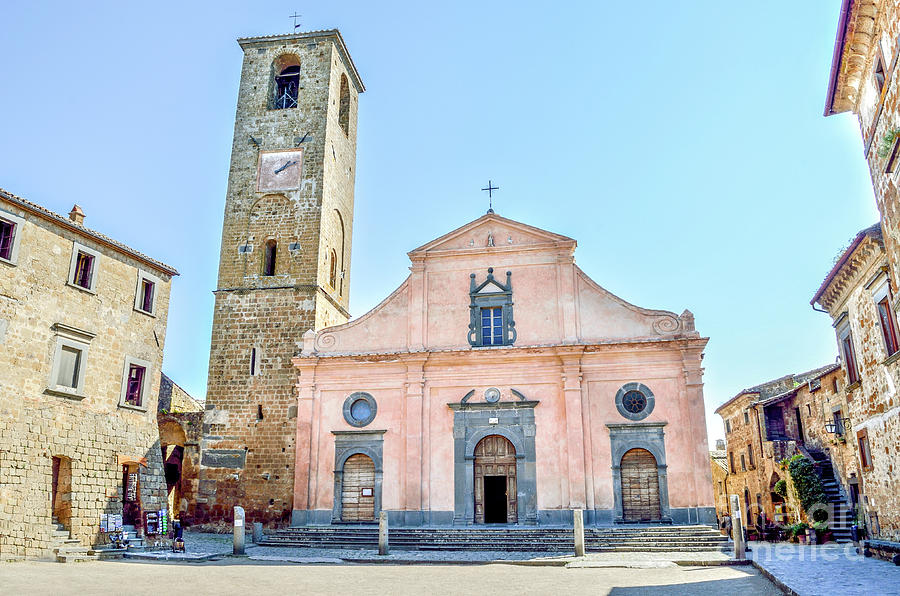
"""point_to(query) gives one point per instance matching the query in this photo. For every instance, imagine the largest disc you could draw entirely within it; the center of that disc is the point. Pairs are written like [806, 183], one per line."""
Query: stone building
[499, 383]
[858, 297]
[82, 328]
[284, 265]
[718, 463]
[180, 420]
[864, 81]
[771, 422]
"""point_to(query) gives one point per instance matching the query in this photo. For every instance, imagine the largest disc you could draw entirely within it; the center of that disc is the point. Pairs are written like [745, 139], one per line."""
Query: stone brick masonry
[864, 81]
[247, 452]
[92, 434]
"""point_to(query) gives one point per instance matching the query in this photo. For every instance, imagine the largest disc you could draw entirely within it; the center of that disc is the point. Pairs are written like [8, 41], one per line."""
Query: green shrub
[798, 529]
[806, 482]
[781, 488]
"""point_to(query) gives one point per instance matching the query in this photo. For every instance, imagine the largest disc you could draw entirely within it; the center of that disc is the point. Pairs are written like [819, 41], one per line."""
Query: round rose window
[634, 402]
[360, 409]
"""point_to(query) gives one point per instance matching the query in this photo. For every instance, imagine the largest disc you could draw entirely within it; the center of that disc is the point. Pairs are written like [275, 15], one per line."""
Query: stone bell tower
[284, 265]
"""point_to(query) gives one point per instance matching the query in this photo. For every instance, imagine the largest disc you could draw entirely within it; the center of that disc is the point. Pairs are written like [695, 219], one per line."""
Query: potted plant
[798, 532]
[822, 532]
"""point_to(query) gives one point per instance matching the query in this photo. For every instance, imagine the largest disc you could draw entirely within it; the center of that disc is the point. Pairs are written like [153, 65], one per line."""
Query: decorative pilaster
[572, 394]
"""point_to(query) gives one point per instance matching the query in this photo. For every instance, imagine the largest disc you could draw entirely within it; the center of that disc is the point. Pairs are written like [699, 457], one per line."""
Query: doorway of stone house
[61, 491]
[131, 496]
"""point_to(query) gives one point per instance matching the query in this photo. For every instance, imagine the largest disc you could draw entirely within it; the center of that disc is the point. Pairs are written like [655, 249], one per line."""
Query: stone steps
[625, 539]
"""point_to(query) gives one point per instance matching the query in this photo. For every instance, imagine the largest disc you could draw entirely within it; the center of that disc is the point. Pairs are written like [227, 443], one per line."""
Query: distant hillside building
[82, 329]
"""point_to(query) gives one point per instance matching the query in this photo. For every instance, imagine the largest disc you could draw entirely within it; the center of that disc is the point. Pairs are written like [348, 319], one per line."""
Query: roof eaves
[342, 47]
[67, 223]
[837, 57]
[845, 256]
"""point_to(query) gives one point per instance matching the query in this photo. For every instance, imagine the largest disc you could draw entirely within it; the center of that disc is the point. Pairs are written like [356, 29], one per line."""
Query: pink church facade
[499, 383]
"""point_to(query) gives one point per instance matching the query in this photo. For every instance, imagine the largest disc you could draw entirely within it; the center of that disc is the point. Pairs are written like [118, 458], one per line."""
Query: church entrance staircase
[506, 539]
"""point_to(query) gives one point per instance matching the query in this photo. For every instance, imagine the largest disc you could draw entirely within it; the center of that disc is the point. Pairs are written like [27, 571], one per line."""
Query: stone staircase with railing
[840, 511]
[506, 539]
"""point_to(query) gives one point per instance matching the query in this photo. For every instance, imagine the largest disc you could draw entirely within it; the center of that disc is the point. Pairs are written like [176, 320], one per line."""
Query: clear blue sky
[682, 144]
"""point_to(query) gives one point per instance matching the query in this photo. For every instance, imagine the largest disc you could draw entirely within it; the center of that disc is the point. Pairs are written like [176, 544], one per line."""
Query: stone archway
[172, 439]
[640, 487]
[495, 481]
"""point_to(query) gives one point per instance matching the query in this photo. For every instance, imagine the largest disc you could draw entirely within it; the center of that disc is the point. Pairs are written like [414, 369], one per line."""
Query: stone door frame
[639, 435]
[352, 442]
[512, 420]
[507, 476]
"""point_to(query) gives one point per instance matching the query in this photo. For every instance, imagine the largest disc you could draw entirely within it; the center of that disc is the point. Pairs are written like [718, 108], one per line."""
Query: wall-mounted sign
[367, 492]
[493, 421]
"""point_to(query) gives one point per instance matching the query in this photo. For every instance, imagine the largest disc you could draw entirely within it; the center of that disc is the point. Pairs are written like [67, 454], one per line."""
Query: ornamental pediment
[492, 231]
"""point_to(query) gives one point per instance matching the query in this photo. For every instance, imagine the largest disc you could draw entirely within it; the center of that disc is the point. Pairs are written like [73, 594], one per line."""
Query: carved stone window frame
[498, 295]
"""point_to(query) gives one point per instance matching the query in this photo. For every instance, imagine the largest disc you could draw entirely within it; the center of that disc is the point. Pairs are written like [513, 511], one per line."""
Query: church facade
[497, 384]
[500, 384]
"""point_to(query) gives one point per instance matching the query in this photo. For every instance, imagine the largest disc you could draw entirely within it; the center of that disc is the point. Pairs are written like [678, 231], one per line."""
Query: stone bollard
[579, 532]
[737, 529]
[382, 533]
[257, 532]
[239, 530]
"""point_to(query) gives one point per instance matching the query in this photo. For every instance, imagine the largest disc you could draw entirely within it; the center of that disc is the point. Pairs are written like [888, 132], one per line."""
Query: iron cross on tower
[490, 188]
[296, 16]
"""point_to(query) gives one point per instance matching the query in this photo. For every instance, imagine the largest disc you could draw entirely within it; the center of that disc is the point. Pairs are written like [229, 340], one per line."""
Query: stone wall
[91, 433]
[872, 30]
[247, 450]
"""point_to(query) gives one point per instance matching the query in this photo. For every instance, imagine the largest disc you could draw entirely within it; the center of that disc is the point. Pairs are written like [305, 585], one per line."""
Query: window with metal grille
[84, 270]
[7, 231]
[134, 391]
[492, 326]
[287, 88]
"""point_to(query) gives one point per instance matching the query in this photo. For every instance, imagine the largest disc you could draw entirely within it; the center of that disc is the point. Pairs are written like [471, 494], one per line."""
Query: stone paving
[240, 575]
[826, 569]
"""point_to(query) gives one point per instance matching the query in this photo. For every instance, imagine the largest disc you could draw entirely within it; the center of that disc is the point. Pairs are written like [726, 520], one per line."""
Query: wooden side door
[640, 487]
[358, 489]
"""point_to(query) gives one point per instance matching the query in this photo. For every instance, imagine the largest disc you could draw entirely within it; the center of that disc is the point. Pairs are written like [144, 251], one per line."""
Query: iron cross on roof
[296, 16]
[490, 188]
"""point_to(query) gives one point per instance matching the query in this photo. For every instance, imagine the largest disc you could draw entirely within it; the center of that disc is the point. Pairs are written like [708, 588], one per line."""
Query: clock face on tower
[279, 170]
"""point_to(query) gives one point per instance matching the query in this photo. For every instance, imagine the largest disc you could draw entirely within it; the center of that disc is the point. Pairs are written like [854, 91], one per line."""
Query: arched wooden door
[495, 481]
[640, 487]
[358, 489]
